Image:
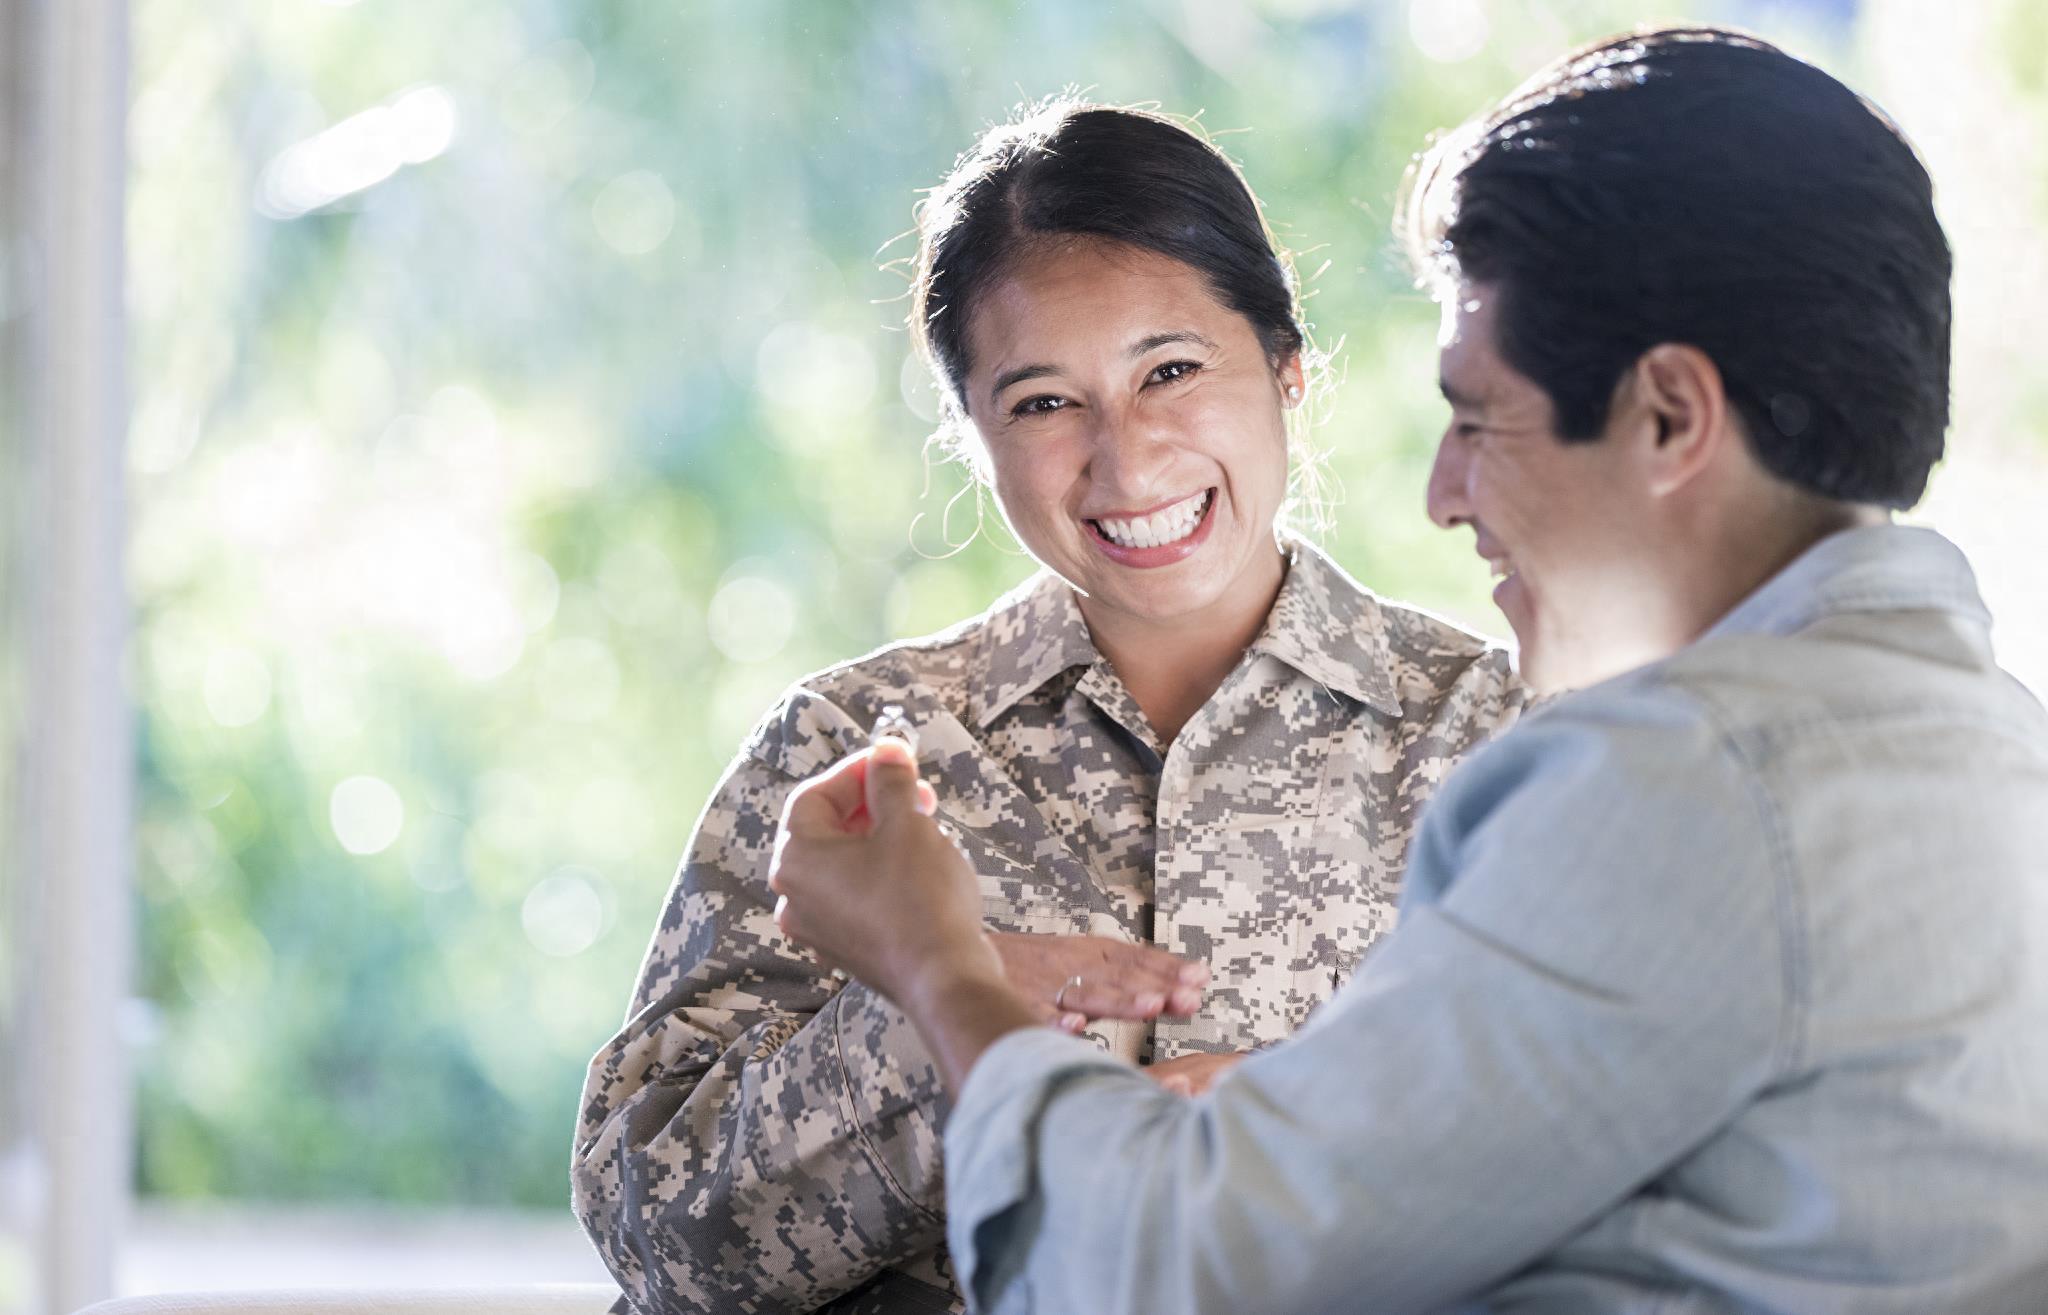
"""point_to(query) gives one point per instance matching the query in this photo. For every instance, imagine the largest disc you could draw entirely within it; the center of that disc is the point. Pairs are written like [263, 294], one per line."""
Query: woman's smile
[1159, 537]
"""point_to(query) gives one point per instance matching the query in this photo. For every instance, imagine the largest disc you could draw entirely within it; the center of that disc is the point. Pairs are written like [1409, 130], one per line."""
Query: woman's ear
[1293, 380]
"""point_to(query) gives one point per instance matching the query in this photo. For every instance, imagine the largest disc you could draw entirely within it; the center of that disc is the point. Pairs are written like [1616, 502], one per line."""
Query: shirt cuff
[991, 1156]
[896, 1097]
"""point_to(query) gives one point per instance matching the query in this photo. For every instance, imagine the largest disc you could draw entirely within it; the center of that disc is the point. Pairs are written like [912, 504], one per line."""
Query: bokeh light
[635, 212]
[751, 617]
[564, 914]
[359, 152]
[1448, 31]
[366, 814]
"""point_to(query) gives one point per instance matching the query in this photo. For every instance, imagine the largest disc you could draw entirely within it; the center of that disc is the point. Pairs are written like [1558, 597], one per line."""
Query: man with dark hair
[1722, 982]
[1747, 204]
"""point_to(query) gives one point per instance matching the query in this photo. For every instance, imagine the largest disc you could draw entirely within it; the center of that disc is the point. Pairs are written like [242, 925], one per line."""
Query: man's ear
[1682, 406]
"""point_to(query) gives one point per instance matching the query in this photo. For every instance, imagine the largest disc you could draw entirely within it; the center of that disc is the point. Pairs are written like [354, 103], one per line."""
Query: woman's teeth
[1169, 525]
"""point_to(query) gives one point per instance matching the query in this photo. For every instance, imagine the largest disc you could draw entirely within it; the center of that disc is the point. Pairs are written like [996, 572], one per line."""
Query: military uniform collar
[1329, 627]
[1034, 633]
[1323, 624]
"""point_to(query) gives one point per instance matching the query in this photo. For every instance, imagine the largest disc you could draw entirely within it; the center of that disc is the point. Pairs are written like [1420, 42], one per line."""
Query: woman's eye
[1174, 371]
[1044, 404]
[1465, 429]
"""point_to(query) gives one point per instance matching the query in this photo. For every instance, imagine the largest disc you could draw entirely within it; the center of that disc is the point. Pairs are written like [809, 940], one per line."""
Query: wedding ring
[1059, 999]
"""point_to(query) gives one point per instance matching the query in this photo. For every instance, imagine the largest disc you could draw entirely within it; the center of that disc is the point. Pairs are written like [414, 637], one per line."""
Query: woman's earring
[1294, 392]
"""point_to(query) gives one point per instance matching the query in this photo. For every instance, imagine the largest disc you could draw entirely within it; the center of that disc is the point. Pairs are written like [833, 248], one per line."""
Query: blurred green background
[522, 401]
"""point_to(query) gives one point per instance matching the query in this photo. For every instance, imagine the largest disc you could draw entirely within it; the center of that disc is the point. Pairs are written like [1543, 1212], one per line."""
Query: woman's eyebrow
[1156, 340]
[1018, 376]
[1149, 342]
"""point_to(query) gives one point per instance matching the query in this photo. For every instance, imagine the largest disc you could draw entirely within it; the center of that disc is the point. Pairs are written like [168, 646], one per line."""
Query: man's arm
[1589, 979]
[864, 875]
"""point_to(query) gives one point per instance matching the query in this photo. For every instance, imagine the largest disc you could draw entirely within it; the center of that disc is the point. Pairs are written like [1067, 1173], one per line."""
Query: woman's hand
[1191, 1075]
[1117, 979]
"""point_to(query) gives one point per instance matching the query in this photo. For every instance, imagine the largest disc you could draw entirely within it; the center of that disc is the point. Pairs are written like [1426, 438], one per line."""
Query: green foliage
[508, 490]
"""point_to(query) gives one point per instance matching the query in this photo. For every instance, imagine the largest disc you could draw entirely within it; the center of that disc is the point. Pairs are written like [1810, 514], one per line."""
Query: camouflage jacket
[757, 1139]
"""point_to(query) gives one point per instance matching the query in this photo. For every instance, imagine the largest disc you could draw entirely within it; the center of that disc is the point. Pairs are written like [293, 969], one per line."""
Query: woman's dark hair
[1696, 185]
[1066, 170]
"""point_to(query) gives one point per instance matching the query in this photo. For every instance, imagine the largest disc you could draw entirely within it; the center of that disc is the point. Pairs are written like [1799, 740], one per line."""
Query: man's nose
[1446, 491]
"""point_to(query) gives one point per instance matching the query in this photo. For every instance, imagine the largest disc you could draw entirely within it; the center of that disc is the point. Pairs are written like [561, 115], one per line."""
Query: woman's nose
[1130, 455]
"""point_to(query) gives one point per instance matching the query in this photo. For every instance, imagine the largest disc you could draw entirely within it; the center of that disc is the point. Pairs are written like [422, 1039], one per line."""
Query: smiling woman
[1145, 462]
[1183, 759]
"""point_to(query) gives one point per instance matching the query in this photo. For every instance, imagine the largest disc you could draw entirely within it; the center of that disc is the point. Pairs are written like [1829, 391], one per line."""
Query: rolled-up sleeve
[1594, 969]
[754, 1138]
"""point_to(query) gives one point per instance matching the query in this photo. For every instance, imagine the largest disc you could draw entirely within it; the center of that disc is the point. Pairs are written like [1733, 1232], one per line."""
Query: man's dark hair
[1696, 185]
[1070, 171]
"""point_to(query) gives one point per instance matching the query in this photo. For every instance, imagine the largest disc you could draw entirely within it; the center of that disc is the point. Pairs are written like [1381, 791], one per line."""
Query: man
[1722, 983]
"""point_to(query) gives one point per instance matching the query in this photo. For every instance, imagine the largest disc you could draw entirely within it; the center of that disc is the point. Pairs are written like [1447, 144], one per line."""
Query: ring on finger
[1059, 998]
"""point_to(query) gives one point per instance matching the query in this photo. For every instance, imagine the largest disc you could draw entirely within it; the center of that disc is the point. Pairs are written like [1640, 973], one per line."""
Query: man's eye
[1174, 371]
[1044, 404]
[1465, 429]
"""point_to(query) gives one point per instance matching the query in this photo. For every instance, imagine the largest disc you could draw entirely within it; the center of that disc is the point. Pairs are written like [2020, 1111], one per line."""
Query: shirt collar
[1034, 633]
[1874, 568]
[1324, 624]
[1329, 627]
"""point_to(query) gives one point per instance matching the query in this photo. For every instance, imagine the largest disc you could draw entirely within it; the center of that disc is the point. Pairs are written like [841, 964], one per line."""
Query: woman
[1183, 759]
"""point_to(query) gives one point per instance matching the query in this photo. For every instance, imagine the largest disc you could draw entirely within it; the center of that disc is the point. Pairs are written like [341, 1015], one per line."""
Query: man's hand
[865, 877]
[867, 880]
[1191, 1075]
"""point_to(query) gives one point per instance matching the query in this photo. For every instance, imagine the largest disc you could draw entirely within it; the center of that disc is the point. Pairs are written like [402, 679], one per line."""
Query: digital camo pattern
[756, 1139]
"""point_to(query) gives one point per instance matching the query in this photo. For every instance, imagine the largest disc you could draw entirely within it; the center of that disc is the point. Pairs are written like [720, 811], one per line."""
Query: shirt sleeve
[754, 1138]
[1591, 975]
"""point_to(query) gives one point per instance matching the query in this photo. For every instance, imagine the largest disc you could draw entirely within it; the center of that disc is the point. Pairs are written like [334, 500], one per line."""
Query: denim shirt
[1720, 986]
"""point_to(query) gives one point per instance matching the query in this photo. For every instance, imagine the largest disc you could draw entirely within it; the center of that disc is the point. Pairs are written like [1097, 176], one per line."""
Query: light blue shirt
[1721, 986]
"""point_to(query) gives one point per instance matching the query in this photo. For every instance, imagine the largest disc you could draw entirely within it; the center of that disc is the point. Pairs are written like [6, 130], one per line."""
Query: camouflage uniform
[758, 1139]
